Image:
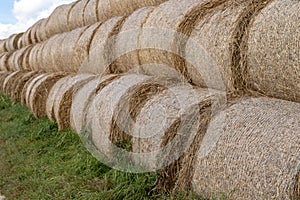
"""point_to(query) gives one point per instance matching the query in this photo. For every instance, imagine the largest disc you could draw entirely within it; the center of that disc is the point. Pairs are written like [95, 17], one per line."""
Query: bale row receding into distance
[68, 17]
[230, 61]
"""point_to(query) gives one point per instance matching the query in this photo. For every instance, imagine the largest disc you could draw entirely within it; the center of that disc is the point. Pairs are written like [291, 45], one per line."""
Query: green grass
[38, 162]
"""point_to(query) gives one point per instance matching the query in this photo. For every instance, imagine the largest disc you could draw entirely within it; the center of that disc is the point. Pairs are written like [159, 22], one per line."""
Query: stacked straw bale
[76, 15]
[10, 61]
[273, 58]
[3, 75]
[81, 50]
[28, 88]
[19, 84]
[126, 45]
[56, 53]
[68, 50]
[3, 61]
[110, 8]
[255, 153]
[102, 111]
[11, 42]
[25, 59]
[10, 85]
[90, 12]
[96, 62]
[64, 99]
[39, 91]
[2, 46]
[7, 81]
[82, 98]
[52, 96]
[57, 22]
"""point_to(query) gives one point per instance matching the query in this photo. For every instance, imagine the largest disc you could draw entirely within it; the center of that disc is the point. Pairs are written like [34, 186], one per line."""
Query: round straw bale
[33, 33]
[3, 76]
[2, 46]
[11, 83]
[50, 103]
[25, 58]
[46, 63]
[180, 114]
[26, 39]
[7, 82]
[41, 30]
[20, 42]
[63, 100]
[10, 61]
[39, 57]
[127, 41]
[111, 8]
[39, 93]
[169, 36]
[68, 46]
[104, 104]
[57, 21]
[256, 153]
[56, 53]
[28, 87]
[20, 83]
[273, 51]
[3, 61]
[90, 12]
[19, 56]
[12, 42]
[82, 99]
[32, 56]
[96, 63]
[76, 15]
[81, 49]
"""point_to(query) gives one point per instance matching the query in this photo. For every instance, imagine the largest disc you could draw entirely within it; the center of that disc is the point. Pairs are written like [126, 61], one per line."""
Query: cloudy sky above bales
[18, 15]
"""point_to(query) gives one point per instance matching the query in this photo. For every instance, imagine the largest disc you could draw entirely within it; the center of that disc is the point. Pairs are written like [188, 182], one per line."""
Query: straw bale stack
[3, 76]
[19, 58]
[90, 12]
[2, 46]
[111, 8]
[273, 61]
[39, 93]
[83, 96]
[53, 94]
[28, 87]
[11, 43]
[26, 56]
[96, 62]
[3, 61]
[76, 15]
[126, 46]
[68, 60]
[64, 99]
[102, 111]
[10, 88]
[19, 84]
[81, 50]
[255, 154]
[57, 22]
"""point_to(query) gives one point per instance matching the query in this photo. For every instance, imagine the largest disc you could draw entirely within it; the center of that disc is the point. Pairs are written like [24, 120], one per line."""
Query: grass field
[38, 162]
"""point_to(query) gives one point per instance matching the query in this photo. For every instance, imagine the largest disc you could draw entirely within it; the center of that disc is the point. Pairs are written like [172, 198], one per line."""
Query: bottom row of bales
[244, 148]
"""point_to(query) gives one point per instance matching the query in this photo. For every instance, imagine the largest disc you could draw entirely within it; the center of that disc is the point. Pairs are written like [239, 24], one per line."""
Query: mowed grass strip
[38, 162]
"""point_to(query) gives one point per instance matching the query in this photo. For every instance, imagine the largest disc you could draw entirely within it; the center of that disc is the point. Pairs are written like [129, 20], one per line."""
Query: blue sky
[18, 15]
[6, 15]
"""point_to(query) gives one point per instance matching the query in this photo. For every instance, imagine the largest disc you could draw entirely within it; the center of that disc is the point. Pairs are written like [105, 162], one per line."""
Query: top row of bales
[68, 17]
[225, 45]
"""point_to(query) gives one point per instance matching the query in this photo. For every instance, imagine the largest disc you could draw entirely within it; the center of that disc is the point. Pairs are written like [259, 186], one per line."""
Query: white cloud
[27, 12]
